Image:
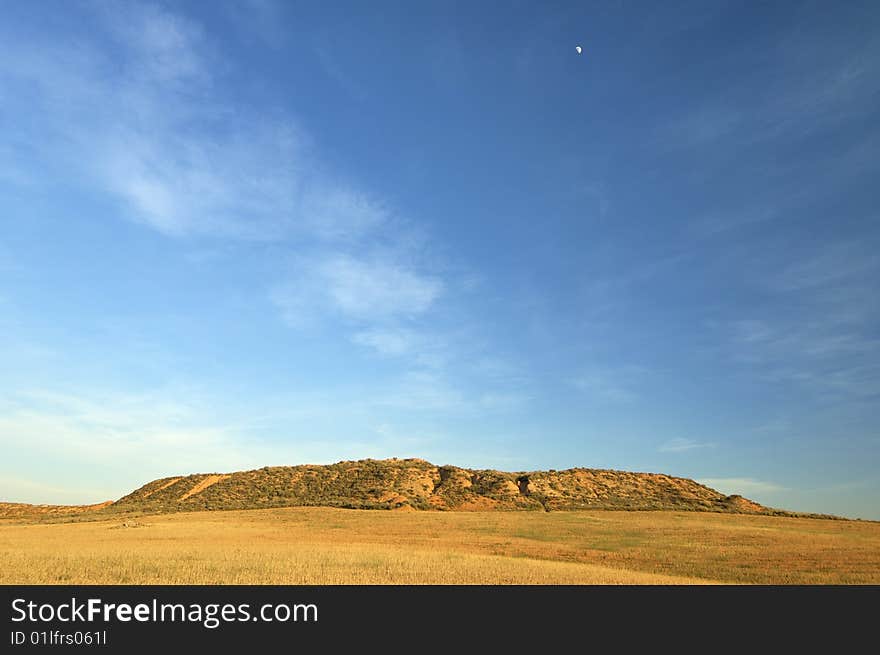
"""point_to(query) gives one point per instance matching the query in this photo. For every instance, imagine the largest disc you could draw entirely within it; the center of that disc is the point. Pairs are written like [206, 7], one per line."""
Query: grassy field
[336, 546]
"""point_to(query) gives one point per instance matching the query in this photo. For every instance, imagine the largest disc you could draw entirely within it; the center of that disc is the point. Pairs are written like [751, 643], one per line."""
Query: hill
[24, 510]
[407, 484]
[415, 484]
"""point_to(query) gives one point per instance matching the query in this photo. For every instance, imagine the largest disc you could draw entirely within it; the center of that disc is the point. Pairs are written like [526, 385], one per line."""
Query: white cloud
[363, 288]
[394, 341]
[367, 290]
[683, 445]
[333, 212]
[148, 122]
[241, 183]
[165, 47]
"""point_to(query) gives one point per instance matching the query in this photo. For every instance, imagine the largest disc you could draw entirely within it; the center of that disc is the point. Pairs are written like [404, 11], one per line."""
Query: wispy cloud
[114, 438]
[816, 360]
[141, 116]
[722, 223]
[147, 121]
[773, 426]
[366, 290]
[683, 445]
[422, 348]
[423, 391]
[393, 341]
[830, 265]
[241, 184]
[499, 369]
[334, 212]
[164, 47]
[820, 334]
[611, 384]
[811, 82]
[17, 489]
[763, 341]
[500, 400]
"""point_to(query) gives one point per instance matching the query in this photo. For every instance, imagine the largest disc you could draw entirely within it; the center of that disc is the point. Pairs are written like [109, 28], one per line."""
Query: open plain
[319, 545]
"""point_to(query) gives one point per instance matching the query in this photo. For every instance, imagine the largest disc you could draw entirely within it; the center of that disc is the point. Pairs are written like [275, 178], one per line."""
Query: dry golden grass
[334, 546]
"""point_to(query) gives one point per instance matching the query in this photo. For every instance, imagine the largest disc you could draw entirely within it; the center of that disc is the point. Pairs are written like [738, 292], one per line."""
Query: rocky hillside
[414, 484]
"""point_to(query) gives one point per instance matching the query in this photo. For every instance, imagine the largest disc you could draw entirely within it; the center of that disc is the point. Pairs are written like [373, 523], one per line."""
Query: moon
[579, 49]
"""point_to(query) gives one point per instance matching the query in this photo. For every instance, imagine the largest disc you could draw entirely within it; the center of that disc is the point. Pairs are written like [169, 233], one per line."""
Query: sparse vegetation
[285, 525]
[336, 546]
[416, 484]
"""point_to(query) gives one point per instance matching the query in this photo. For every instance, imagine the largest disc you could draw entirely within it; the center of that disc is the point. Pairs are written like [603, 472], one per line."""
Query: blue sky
[254, 233]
